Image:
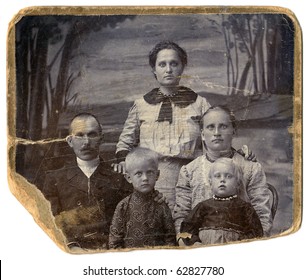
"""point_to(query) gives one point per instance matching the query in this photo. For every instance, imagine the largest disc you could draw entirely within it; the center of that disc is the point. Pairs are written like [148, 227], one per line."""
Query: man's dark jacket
[83, 208]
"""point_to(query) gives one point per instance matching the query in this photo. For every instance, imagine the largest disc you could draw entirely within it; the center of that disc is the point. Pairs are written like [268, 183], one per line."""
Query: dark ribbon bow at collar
[184, 97]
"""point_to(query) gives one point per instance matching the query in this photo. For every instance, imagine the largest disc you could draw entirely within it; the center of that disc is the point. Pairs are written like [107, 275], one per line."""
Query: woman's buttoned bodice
[181, 138]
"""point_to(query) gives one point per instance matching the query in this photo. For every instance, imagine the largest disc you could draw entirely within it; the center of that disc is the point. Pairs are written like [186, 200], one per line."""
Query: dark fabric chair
[274, 196]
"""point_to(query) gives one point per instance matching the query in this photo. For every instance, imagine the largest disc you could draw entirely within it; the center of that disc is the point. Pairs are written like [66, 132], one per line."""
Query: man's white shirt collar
[88, 167]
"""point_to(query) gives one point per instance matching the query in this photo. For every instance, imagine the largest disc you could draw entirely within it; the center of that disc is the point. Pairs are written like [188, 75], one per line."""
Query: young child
[138, 220]
[224, 217]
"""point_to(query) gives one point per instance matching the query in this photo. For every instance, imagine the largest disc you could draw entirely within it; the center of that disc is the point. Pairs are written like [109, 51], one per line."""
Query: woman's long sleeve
[183, 196]
[259, 195]
[129, 136]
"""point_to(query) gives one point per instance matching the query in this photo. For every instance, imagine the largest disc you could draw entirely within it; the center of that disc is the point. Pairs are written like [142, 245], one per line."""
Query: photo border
[34, 201]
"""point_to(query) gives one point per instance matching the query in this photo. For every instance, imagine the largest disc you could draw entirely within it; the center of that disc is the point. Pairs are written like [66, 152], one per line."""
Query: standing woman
[165, 120]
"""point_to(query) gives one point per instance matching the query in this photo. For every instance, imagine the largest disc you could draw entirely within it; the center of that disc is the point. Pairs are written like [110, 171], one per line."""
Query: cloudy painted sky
[114, 61]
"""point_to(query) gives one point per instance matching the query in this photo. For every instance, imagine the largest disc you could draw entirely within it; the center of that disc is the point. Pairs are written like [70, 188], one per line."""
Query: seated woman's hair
[229, 162]
[170, 46]
[224, 108]
[140, 153]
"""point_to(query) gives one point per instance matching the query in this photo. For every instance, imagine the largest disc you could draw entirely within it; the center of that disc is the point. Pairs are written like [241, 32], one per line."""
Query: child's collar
[231, 197]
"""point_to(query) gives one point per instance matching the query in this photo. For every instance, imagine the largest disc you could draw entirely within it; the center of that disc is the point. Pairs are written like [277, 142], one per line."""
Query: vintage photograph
[156, 128]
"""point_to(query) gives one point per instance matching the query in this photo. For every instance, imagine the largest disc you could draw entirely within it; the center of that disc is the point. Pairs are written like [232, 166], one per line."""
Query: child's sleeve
[254, 225]
[192, 224]
[117, 228]
[169, 230]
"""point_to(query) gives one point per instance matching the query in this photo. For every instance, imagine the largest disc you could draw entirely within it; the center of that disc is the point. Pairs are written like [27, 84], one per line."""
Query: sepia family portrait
[156, 128]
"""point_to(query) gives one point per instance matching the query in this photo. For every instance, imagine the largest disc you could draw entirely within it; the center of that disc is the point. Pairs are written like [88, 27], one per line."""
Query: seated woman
[219, 127]
[224, 217]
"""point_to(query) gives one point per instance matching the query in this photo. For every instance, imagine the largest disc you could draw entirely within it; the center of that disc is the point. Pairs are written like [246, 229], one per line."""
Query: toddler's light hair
[229, 162]
[140, 153]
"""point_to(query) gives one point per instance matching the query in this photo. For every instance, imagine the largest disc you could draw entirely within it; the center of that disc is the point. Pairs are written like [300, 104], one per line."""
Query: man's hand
[119, 167]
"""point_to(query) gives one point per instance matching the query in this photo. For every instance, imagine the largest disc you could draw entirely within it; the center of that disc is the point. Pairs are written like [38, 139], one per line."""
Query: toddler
[224, 217]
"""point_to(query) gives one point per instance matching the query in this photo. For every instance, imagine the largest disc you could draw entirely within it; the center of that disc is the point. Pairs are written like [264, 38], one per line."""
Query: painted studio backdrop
[99, 64]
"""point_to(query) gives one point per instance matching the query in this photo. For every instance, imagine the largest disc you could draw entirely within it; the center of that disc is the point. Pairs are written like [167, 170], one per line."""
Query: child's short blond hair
[140, 153]
[237, 170]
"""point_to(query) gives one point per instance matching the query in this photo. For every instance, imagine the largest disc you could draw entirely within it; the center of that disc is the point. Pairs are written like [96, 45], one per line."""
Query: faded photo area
[67, 65]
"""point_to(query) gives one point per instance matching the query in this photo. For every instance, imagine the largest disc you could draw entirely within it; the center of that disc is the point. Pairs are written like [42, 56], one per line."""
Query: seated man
[84, 193]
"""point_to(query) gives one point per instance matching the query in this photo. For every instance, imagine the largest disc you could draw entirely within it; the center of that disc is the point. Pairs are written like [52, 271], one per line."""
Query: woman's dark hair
[169, 45]
[226, 110]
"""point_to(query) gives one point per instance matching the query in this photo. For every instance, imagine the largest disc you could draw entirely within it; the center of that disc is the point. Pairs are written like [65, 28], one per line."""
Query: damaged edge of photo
[20, 112]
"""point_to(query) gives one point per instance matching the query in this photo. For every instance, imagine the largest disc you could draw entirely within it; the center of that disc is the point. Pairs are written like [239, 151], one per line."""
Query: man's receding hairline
[84, 117]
